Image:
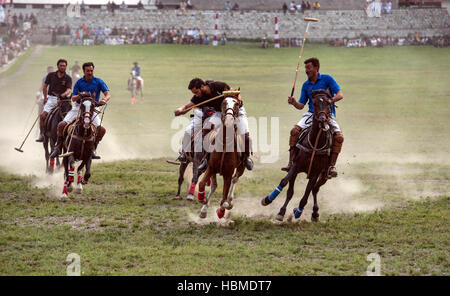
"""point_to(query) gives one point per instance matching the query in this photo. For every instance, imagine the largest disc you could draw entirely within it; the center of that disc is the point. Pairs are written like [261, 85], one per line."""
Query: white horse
[135, 86]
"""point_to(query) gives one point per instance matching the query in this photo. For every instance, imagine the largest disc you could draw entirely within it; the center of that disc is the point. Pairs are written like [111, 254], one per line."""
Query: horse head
[64, 104]
[87, 109]
[230, 107]
[322, 107]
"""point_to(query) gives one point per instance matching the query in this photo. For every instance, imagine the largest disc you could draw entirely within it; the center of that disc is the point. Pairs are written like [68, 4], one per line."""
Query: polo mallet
[202, 103]
[309, 20]
[20, 148]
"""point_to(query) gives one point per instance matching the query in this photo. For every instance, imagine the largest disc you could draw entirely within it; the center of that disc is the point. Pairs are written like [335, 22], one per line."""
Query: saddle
[308, 148]
[52, 113]
[68, 129]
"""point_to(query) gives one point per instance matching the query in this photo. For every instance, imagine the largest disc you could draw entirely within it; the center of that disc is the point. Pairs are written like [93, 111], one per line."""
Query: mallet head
[18, 149]
[310, 19]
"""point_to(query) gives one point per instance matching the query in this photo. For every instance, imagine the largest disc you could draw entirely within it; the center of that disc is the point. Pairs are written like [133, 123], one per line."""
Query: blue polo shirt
[323, 82]
[138, 70]
[94, 87]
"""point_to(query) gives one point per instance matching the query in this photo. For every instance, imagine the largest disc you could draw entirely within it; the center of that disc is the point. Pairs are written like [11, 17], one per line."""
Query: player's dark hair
[88, 64]
[61, 61]
[196, 82]
[314, 61]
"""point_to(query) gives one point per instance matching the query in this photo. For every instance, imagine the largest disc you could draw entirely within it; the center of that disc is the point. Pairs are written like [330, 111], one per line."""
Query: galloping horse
[195, 157]
[312, 157]
[51, 126]
[223, 161]
[135, 86]
[79, 145]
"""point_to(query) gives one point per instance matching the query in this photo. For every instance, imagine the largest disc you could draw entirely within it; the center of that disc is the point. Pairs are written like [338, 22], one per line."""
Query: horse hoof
[63, 196]
[78, 191]
[201, 197]
[177, 197]
[279, 217]
[265, 201]
[313, 219]
[189, 197]
[220, 213]
[202, 215]
[225, 205]
[69, 188]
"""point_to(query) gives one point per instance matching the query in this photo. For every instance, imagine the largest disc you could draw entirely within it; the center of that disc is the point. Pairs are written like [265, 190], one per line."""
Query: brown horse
[312, 157]
[79, 145]
[225, 159]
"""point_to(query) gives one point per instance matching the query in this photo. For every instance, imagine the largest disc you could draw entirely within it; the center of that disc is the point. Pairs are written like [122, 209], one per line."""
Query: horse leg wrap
[201, 196]
[295, 133]
[71, 174]
[192, 188]
[80, 178]
[338, 139]
[52, 164]
[208, 183]
[298, 212]
[65, 189]
[275, 193]
[220, 213]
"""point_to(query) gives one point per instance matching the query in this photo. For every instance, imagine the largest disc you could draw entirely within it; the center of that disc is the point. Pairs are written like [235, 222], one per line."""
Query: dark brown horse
[312, 157]
[79, 145]
[195, 157]
[50, 134]
[225, 160]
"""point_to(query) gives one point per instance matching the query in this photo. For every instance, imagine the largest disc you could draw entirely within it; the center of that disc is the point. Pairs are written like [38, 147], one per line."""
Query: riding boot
[248, 161]
[295, 133]
[338, 139]
[94, 155]
[41, 135]
[291, 160]
[57, 150]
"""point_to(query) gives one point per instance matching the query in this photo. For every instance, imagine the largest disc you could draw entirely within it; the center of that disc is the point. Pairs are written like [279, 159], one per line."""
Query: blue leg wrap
[298, 212]
[275, 193]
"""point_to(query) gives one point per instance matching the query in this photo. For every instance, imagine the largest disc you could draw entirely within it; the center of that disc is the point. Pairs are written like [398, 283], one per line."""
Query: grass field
[391, 197]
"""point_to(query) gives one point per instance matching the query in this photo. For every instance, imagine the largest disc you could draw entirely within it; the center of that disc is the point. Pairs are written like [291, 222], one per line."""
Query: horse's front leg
[289, 195]
[223, 203]
[234, 181]
[271, 197]
[65, 192]
[80, 179]
[298, 211]
[195, 175]
[322, 180]
[87, 173]
[181, 171]
[47, 168]
[204, 210]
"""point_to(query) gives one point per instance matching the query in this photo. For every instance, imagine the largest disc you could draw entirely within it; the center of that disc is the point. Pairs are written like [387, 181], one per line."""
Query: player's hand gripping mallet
[20, 148]
[308, 20]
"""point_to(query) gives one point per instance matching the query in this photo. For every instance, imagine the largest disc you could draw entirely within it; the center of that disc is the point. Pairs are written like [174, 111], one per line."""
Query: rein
[313, 152]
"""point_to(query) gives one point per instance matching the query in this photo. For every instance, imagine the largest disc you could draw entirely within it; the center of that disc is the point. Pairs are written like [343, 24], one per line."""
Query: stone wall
[257, 24]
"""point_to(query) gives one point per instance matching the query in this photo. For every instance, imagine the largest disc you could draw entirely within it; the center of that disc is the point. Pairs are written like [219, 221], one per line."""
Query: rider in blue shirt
[317, 81]
[90, 84]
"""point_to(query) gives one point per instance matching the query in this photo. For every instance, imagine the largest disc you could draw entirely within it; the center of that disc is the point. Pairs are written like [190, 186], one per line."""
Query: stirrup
[332, 173]
[40, 139]
[55, 153]
[95, 156]
[182, 158]
[248, 163]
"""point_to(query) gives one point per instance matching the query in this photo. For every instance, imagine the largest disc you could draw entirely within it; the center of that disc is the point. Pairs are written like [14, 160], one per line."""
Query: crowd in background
[15, 31]
[411, 39]
[86, 35]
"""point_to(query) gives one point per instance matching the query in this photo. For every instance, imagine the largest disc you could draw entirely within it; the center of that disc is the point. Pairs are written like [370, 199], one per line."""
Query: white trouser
[52, 101]
[73, 113]
[241, 121]
[307, 120]
[195, 126]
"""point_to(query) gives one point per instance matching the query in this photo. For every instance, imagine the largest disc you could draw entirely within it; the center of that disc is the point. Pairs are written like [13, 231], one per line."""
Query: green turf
[395, 115]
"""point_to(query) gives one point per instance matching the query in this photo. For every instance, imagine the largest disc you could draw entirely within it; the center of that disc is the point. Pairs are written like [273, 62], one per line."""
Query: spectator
[140, 5]
[228, 5]
[183, 6]
[285, 8]
[316, 5]
[189, 4]
[299, 7]
[235, 6]
[308, 5]
[123, 5]
[83, 7]
[292, 7]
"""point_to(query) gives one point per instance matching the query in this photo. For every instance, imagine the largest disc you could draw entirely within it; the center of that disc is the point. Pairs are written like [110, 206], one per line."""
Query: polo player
[316, 81]
[204, 90]
[56, 84]
[87, 84]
